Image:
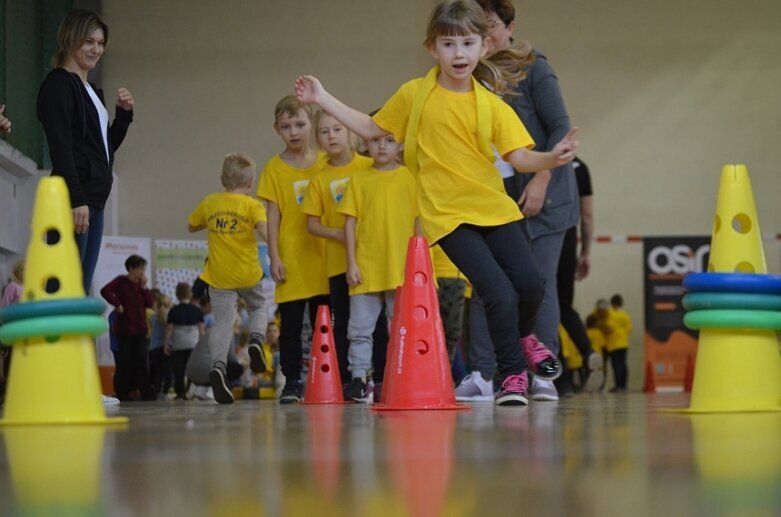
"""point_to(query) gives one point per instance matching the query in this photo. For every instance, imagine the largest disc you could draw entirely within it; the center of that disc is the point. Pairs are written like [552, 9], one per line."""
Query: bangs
[459, 18]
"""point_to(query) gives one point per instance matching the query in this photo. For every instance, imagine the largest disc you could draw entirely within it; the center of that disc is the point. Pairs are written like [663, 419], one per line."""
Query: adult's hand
[81, 219]
[5, 124]
[533, 196]
[125, 99]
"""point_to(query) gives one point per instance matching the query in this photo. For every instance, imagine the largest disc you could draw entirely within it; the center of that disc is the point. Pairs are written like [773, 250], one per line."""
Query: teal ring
[733, 319]
[740, 301]
[53, 327]
[56, 307]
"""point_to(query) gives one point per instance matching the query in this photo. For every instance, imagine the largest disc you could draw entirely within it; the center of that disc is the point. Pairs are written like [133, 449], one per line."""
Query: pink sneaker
[514, 391]
[542, 362]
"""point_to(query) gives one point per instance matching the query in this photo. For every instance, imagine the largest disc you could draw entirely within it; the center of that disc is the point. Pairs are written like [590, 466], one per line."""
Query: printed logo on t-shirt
[339, 188]
[227, 222]
[299, 189]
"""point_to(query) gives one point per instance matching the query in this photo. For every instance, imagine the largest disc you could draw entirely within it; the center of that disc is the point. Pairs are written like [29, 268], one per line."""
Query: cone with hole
[417, 372]
[323, 384]
[737, 369]
[54, 375]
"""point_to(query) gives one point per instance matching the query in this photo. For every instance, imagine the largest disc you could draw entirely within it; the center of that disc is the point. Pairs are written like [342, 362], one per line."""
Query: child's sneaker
[292, 392]
[222, 392]
[513, 391]
[542, 362]
[596, 374]
[544, 390]
[474, 388]
[356, 390]
[257, 359]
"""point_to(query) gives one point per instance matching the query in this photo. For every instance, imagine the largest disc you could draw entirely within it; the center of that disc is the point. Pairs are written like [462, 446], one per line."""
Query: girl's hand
[308, 89]
[277, 271]
[564, 151]
[125, 99]
[354, 275]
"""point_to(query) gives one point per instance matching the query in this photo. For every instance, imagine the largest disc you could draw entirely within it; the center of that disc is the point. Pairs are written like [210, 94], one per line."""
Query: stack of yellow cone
[738, 369]
[54, 374]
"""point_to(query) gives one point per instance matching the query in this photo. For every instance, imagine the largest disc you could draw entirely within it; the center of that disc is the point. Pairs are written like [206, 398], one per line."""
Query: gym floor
[582, 456]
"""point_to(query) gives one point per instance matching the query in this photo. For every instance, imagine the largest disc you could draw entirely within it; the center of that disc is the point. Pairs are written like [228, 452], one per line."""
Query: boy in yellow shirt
[297, 257]
[233, 270]
[381, 215]
[618, 342]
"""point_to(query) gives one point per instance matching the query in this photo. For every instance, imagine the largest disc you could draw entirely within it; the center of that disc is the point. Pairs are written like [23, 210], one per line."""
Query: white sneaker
[544, 390]
[109, 401]
[596, 374]
[474, 388]
[203, 393]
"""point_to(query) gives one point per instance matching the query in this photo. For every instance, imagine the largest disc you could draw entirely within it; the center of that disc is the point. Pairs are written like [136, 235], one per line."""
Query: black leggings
[565, 284]
[291, 315]
[499, 263]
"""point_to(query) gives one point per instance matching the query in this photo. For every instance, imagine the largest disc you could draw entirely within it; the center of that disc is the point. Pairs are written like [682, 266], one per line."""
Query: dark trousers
[179, 360]
[132, 370]
[499, 264]
[291, 315]
[161, 375]
[570, 319]
[620, 369]
[340, 305]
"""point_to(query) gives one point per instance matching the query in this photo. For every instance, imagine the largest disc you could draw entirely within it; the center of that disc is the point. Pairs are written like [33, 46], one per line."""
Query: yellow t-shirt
[325, 192]
[230, 220]
[443, 266]
[302, 254]
[597, 338]
[621, 325]
[457, 184]
[383, 202]
[569, 350]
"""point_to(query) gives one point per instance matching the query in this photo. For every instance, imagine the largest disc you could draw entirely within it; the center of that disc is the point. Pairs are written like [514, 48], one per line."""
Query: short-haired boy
[233, 270]
[381, 217]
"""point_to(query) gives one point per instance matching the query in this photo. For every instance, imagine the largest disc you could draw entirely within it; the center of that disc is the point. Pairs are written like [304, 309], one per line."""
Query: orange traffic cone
[650, 378]
[323, 383]
[688, 378]
[417, 373]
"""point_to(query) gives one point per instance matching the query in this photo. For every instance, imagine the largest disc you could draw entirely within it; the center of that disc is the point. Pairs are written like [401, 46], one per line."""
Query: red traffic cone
[650, 378]
[417, 372]
[323, 383]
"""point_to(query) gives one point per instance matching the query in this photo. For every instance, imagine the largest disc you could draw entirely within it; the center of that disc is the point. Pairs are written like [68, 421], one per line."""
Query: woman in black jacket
[81, 142]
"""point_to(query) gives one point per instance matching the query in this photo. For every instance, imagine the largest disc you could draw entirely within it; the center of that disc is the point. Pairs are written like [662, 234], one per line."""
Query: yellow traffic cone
[54, 378]
[736, 242]
[737, 369]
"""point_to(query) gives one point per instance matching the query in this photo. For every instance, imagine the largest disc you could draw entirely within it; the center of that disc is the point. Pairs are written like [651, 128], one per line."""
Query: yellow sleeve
[313, 199]
[197, 217]
[349, 205]
[258, 212]
[509, 133]
[394, 115]
[267, 187]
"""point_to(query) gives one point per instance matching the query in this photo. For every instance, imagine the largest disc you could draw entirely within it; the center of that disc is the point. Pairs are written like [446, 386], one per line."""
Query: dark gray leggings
[498, 262]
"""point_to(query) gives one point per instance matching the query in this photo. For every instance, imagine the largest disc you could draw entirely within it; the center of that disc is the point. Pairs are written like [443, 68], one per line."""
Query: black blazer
[72, 128]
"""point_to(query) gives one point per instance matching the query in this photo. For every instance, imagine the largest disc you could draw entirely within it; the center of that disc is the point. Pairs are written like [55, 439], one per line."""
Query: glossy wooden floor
[590, 455]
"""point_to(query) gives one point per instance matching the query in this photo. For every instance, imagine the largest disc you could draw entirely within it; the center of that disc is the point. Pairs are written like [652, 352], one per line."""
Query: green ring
[741, 301]
[53, 327]
[733, 319]
[57, 307]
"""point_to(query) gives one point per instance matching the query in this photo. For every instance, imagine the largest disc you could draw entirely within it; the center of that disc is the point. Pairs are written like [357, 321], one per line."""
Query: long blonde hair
[74, 30]
[501, 70]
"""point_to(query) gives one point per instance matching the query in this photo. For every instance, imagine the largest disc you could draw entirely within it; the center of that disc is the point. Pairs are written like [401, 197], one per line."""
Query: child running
[297, 257]
[380, 209]
[449, 122]
[324, 194]
[233, 269]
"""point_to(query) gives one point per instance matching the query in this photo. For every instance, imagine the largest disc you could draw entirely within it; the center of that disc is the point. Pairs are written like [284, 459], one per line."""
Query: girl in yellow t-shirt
[323, 196]
[297, 257]
[450, 123]
[380, 210]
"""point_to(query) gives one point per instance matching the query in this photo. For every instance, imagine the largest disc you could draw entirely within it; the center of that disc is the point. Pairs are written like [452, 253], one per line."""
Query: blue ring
[56, 307]
[732, 283]
[741, 301]
[733, 319]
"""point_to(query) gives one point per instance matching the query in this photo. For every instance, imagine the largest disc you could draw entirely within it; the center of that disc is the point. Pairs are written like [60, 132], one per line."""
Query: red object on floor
[417, 372]
[323, 383]
[650, 379]
[688, 379]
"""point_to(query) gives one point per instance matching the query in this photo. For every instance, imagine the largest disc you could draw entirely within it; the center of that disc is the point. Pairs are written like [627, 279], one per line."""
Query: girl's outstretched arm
[524, 160]
[309, 90]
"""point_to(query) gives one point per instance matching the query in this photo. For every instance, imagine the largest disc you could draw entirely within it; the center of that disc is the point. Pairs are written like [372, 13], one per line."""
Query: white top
[102, 115]
[505, 169]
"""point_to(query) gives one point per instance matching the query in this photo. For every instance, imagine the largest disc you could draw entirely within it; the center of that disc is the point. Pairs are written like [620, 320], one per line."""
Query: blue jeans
[89, 246]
